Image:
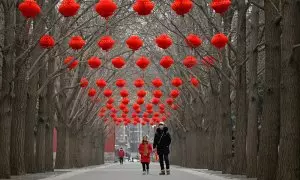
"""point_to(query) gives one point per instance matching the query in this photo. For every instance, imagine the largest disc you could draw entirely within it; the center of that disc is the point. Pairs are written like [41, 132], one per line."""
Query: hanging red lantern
[76, 42]
[120, 82]
[139, 83]
[155, 101]
[145, 115]
[92, 92]
[142, 62]
[164, 118]
[106, 43]
[125, 100]
[143, 7]
[220, 6]
[122, 106]
[149, 106]
[193, 41]
[219, 40]
[110, 101]
[194, 81]
[68, 8]
[174, 106]
[29, 8]
[134, 42]
[140, 101]
[146, 119]
[107, 92]
[176, 82]
[141, 93]
[106, 8]
[71, 62]
[84, 82]
[126, 110]
[101, 114]
[190, 61]
[156, 114]
[109, 106]
[134, 115]
[166, 62]
[157, 93]
[94, 62]
[118, 62]
[150, 111]
[162, 111]
[170, 101]
[163, 41]
[138, 110]
[124, 93]
[208, 61]
[103, 109]
[161, 106]
[113, 110]
[101, 83]
[47, 42]
[157, 82]
[124, 115]
[182, 7]
[135, 106]
[174, 93]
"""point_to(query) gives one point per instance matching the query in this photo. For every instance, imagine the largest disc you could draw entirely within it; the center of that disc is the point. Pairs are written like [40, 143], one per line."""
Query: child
[145, 149]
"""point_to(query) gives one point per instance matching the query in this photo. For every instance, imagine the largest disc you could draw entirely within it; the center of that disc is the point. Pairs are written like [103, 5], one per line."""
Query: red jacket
[121, 153]
[145, 158]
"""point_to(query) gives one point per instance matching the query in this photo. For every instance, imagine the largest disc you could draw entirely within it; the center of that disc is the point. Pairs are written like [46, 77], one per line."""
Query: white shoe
[144, 172]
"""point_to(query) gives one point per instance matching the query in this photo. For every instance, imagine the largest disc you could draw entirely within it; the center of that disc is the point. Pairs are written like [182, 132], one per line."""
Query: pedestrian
[162, 141]
[145, 150]
[121, 155]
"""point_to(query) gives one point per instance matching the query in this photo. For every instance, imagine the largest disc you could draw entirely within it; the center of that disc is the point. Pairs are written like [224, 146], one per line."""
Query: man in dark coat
[162, 141]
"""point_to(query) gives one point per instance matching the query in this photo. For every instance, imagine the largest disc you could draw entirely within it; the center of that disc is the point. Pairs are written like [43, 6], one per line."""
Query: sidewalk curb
[76, 172]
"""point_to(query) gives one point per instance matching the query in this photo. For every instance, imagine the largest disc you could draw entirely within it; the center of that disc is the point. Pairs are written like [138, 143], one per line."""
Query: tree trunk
[252, 127]
[289, 146]
[6, 91]
[269, 133]
[62, 155]
[239, 164]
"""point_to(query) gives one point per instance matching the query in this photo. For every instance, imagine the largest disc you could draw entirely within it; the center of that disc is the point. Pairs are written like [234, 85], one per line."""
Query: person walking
[162, 141]
[145, 150]
[121, 155]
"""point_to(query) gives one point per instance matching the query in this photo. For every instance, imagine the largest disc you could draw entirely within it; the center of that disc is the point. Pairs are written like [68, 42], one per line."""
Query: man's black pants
[121, 160]
[164, 157]
[145, 166]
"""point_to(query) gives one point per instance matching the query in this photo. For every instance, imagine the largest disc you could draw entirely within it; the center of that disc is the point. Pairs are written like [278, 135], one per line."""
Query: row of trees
[246, 120]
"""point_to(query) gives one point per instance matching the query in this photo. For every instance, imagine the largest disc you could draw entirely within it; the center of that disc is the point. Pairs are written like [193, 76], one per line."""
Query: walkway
[132, 171]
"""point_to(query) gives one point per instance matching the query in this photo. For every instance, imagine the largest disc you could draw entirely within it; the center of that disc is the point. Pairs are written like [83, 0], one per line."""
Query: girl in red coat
[145, 150]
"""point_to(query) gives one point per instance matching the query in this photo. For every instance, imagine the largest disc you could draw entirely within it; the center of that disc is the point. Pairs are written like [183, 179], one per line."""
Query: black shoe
[168, 172]
[162, 172]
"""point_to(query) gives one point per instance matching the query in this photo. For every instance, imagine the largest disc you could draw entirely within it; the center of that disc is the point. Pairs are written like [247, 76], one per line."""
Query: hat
[161, 123]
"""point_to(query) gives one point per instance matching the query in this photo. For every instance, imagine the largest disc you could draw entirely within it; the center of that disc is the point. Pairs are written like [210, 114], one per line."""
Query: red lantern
[208, 61]
[124, 115]
[174, 106]
[150, 111]
[29, 8]
[190, 61]
[101, 114]
[145, 115]
[141, 93]
[195, 81]
[155, 101]
[120, 82]
[134, 43]
[113, 110]
[118, 62]
[122, 106]
[125, 100]
[107, 92]
[140, 101]
[157, 93]
[162, 111]
[106, 8]
[139, 83]
[126, 110]
[92, 92]
[135, 106]
[182, 7]
[143, 7]
[71, 62]
[156, 114]
[68, 8]
[110, 101]
[134, 115]
[84, 82]
[149, 106]
[176, 82]
[174, 93]
[106, 43]
[103, 109]
[47, 42]
[157, 82]
[219, 40]
[143, 62]
[161, 106]
[220, 6]
[193, 41]
[124, 93]
[146, 119]
[101, 83]
[166, 62]
[170, 101]
[109, 106]
[94, 62]
[163, 41]
[76, 42]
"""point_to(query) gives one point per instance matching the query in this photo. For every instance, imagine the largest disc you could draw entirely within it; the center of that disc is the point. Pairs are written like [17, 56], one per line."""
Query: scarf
[146, 150]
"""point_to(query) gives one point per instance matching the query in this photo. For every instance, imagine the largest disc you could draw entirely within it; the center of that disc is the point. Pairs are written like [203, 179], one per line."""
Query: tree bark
[6, 91]
[289, 146]
[239, 165]
[252, 127]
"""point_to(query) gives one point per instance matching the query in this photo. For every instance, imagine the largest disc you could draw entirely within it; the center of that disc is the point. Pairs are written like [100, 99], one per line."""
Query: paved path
[132, 171]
